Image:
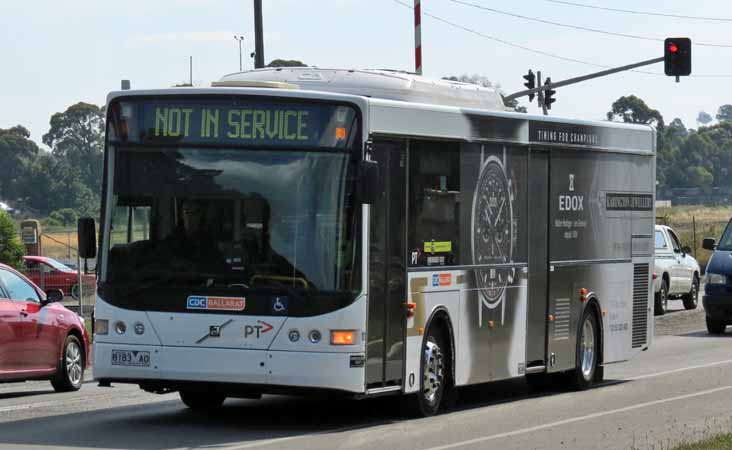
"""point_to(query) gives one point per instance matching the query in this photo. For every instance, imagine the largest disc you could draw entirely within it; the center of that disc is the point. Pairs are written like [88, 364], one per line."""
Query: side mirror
[87, 236]
[709, 244]
[686, 250]
[54, 296]
[367, 182]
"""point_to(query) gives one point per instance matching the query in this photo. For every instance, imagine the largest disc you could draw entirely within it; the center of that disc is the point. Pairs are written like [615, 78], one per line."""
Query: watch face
[492, 236]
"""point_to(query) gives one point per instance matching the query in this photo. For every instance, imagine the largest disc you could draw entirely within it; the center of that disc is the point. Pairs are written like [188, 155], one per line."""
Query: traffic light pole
[538, 90]
[540, 95]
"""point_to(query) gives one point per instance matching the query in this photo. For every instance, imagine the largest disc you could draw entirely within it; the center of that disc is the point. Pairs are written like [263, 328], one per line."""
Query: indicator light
[342, 337]
[340, 133]
[101, 326]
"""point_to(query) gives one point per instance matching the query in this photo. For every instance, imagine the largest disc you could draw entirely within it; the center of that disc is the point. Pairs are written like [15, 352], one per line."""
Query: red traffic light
[677, 56]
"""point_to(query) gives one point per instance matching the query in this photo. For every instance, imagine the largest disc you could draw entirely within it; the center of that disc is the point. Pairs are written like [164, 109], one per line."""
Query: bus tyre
[70, 371]
[661, 299]
[715, 326]
[588, 340]
[691, 300]
[434, 378]
[201, 400]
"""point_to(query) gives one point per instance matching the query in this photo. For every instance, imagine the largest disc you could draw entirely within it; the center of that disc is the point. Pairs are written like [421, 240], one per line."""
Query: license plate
[130, 358]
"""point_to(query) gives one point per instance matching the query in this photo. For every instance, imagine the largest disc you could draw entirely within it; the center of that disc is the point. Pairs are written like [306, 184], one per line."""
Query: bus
[365, 232]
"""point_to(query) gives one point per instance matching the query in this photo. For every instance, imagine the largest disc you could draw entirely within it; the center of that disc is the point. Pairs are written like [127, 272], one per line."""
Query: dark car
[717, 299]
[39, 337]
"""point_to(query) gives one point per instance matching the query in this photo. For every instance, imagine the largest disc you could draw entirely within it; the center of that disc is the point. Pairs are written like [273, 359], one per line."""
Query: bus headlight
[315, 336]
[120, 327]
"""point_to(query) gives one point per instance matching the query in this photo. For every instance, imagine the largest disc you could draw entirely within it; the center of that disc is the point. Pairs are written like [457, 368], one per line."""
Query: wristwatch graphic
[493, 233]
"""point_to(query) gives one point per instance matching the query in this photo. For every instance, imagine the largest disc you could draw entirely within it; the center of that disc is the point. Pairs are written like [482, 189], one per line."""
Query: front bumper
[234, 366]
[718, 306]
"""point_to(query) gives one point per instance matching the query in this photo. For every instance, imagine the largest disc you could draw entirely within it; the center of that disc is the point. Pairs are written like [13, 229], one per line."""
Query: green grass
[707, 221]
[723, 442]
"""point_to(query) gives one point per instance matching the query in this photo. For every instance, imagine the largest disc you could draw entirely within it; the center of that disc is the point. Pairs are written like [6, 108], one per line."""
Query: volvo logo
[214, 331]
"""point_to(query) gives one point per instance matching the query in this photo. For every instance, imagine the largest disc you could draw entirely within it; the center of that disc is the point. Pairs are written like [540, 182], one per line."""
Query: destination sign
[238, 121]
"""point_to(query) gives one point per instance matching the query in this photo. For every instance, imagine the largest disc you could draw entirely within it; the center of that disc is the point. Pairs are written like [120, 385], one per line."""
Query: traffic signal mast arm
[536, 90]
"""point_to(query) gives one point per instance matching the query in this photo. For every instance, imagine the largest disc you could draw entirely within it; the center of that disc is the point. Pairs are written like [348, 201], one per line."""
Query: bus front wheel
[201, 401]
[435, 373]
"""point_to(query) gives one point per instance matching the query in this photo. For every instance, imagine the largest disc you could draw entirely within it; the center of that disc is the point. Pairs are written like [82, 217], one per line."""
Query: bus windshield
[238, 217]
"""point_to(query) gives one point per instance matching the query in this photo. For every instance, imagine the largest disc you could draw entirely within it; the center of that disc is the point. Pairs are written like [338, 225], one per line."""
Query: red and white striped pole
[417, 38]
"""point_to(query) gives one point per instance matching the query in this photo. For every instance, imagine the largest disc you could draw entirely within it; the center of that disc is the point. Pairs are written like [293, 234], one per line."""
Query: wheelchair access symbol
[279, 305]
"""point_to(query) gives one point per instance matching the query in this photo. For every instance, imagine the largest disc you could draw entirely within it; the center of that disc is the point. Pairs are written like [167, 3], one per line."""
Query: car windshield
[725, 243]
[244, 218]
[58, 266]
[660, 240]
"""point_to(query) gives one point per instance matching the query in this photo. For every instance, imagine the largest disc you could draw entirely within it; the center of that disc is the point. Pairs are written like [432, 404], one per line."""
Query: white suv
[676, 274]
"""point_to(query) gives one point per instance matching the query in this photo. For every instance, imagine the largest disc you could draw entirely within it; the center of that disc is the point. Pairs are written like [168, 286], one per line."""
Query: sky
[57, 53]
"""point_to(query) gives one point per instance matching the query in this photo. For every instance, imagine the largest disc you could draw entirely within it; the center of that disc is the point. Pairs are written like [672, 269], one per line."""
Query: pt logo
[257, 330]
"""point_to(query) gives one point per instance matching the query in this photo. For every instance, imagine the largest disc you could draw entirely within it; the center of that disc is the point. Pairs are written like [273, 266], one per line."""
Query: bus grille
[640, 305]
[561, 319]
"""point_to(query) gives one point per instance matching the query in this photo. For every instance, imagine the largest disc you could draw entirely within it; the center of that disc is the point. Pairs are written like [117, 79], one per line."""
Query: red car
[55, 275]
[39, 337]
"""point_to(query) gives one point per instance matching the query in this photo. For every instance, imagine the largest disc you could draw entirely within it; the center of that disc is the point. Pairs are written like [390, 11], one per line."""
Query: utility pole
[190, 65]
[239, 38]
[258, 36]
[417, 38]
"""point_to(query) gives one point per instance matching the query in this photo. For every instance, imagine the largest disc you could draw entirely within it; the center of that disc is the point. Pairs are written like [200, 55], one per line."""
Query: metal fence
[61, 269]
[692, 232]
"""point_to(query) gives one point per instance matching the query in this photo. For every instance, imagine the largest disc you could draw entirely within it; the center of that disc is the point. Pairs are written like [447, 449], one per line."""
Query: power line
[645, 13]
[577, 27]
[541, 52]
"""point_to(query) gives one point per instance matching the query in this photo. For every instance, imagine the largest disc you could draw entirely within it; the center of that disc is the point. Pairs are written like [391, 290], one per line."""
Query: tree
[704, 118]
[632, 109]
[16, 153]
[77, 137]
[724, 113]
[677, 128]
[11, 250]
[64, 217]
[286, 63]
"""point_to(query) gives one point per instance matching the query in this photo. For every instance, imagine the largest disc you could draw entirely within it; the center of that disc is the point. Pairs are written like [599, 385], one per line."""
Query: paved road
[681, 389]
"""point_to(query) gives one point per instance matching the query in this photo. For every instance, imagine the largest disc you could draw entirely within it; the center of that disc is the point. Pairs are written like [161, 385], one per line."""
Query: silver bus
[305, 230]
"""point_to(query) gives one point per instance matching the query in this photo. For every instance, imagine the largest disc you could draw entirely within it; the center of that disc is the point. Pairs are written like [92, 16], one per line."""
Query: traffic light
[548, 100]
[677, 56]
[530, 83]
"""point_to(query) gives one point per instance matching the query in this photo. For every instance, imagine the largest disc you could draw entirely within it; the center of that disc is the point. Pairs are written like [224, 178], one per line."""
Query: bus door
[387, 270]
[536, 332]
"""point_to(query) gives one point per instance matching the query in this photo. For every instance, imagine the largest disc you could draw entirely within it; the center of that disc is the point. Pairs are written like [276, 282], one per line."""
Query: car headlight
[715, 278]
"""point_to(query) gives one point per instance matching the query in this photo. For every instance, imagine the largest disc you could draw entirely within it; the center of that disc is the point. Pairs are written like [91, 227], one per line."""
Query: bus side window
[434, 203]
